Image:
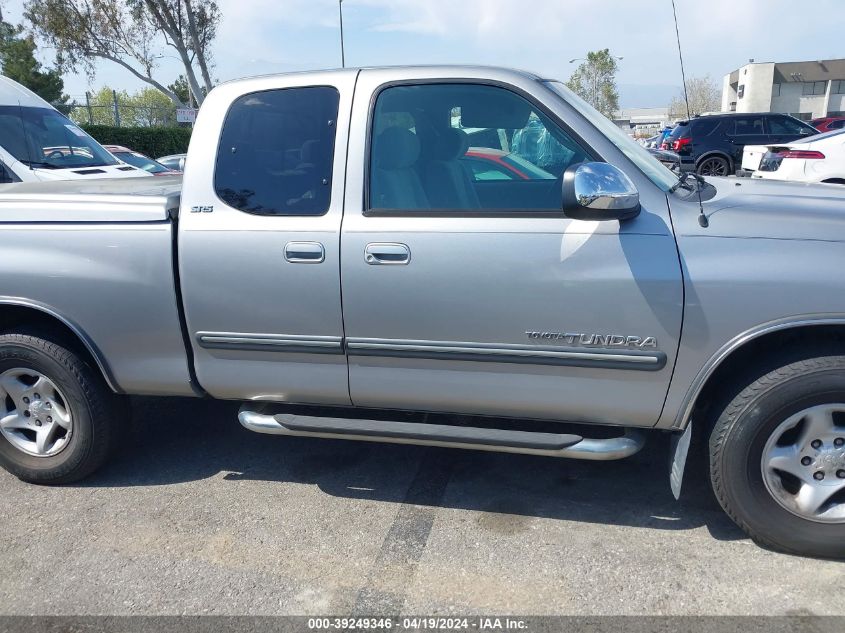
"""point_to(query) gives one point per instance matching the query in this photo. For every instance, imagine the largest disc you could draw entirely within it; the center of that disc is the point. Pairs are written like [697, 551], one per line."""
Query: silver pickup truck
[450, 240]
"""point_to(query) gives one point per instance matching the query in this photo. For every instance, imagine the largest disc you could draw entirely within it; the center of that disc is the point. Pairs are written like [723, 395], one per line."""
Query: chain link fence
[121, 111]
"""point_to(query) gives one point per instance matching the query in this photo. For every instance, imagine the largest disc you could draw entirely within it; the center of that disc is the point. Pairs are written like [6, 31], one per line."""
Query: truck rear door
[259, 238]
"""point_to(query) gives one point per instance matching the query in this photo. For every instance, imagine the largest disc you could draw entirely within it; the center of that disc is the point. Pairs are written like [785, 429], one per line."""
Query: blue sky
[265, 36]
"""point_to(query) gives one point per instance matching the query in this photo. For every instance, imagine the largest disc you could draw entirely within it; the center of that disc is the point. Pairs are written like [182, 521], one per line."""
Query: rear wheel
[57, 415]
[777, 457]
[714, 166]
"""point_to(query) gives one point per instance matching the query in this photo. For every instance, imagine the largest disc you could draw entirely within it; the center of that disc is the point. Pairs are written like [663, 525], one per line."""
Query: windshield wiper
[682, 180]
[41, 164]
[684, 177]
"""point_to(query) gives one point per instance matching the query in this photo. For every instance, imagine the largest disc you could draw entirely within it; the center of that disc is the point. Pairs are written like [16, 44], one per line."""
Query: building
[806, 90]
[642, 121]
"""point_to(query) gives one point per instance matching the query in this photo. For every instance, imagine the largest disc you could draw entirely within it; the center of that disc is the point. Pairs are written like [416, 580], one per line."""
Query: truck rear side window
[276, 152]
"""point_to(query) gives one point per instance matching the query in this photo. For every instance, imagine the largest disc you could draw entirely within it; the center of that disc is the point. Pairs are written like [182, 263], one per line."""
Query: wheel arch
[16, 311]
[715, 152]
[751, 348]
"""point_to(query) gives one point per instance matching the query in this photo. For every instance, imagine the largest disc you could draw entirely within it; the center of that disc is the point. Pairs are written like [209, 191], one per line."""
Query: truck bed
[99, 256]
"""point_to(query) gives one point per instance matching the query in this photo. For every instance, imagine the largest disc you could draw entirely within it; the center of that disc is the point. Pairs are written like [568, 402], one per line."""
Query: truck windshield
[660, 175]
[42, 137]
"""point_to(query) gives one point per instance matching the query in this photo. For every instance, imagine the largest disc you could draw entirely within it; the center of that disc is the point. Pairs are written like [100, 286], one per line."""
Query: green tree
[149, 107]
[182, 88]
[130, 33]
[595, 82]
[18, 62]
[102, 109]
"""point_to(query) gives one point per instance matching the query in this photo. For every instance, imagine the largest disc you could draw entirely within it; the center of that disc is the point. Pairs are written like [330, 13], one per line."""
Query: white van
[39, 143]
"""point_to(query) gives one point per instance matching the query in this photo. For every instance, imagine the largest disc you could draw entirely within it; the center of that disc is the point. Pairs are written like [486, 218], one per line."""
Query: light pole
[342, 52]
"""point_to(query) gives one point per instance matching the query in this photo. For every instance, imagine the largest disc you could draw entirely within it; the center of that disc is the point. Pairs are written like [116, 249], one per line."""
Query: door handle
[305, 252]
[387, 253]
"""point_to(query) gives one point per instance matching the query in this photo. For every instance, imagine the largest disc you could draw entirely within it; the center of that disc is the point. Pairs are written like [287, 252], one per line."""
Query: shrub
[152, 141]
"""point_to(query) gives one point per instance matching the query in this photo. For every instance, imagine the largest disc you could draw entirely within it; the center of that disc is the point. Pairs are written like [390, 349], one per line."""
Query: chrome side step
[526, 442]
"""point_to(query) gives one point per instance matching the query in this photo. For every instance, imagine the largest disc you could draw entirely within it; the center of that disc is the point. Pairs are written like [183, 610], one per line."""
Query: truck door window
[465, 147]
[276, 152]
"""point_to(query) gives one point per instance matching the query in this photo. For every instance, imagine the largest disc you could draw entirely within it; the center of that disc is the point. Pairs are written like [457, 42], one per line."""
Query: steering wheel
[56, 153]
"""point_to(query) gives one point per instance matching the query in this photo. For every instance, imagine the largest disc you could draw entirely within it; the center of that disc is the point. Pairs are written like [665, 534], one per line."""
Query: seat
[394, 183]
[447, 180]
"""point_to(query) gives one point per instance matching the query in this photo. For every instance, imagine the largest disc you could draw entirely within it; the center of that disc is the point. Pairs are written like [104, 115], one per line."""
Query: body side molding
[271, 342]
[521, 354]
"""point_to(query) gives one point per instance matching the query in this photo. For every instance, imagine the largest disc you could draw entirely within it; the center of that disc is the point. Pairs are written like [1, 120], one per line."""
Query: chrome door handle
[387, 253]
[305, 252]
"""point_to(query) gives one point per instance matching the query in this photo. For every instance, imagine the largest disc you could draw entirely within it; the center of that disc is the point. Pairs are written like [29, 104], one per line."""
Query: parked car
[176, 162]
[495, 164]
[669, 159]
[139, 160]
[828, 124]
[653, 142]
[622, 296]
[819, 158]
[712, 145]
[39, 143]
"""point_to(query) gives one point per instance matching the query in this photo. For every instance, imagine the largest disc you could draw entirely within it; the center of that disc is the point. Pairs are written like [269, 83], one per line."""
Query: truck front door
[465, 289]
[259, 239]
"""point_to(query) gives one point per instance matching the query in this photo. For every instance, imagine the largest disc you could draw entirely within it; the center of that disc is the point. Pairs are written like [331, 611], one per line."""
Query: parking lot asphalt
[199, 516]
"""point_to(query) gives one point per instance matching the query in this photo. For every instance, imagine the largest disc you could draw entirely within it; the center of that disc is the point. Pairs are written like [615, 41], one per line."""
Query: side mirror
[599, 191]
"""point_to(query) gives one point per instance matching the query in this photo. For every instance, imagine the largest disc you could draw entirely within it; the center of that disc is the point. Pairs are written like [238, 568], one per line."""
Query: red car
[828, 123]
[494, 164]
[136, 159]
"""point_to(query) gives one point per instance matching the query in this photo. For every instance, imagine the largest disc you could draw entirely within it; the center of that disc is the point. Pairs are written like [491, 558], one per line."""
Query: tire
[77, 388]
[776, 414]
[714, 166]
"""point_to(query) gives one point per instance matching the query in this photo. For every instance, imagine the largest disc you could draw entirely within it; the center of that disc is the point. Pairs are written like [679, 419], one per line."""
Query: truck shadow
[175, 440]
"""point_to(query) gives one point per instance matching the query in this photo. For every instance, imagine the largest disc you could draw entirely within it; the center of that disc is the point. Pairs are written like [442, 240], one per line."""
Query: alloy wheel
[713, 167]
[34, 415]
[804, 463]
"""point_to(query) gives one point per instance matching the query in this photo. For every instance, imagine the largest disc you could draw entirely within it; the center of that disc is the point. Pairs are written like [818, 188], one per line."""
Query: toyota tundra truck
[473, 242]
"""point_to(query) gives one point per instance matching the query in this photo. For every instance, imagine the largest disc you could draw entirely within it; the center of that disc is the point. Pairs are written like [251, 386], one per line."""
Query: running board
[475, 438]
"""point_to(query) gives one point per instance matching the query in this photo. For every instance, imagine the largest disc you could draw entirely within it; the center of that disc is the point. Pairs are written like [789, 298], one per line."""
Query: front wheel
[777, 458]
[57, 415]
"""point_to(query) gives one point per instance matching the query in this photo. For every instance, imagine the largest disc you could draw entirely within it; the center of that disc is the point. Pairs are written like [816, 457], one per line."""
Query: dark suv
[712, 144]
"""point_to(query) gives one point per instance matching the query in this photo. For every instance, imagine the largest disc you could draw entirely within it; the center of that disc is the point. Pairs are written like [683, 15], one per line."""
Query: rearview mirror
[599, 191]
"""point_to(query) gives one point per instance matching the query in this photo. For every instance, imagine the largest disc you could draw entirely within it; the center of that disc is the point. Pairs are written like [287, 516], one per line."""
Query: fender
[86, 340]
[683, 421]
[707, 370]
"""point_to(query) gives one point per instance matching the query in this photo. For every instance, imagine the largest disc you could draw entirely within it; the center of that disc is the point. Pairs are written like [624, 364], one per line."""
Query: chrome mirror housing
[599, 191]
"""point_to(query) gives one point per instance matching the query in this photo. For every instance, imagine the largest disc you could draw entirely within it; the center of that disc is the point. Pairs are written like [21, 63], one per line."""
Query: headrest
[396, 148]
[448, 144]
